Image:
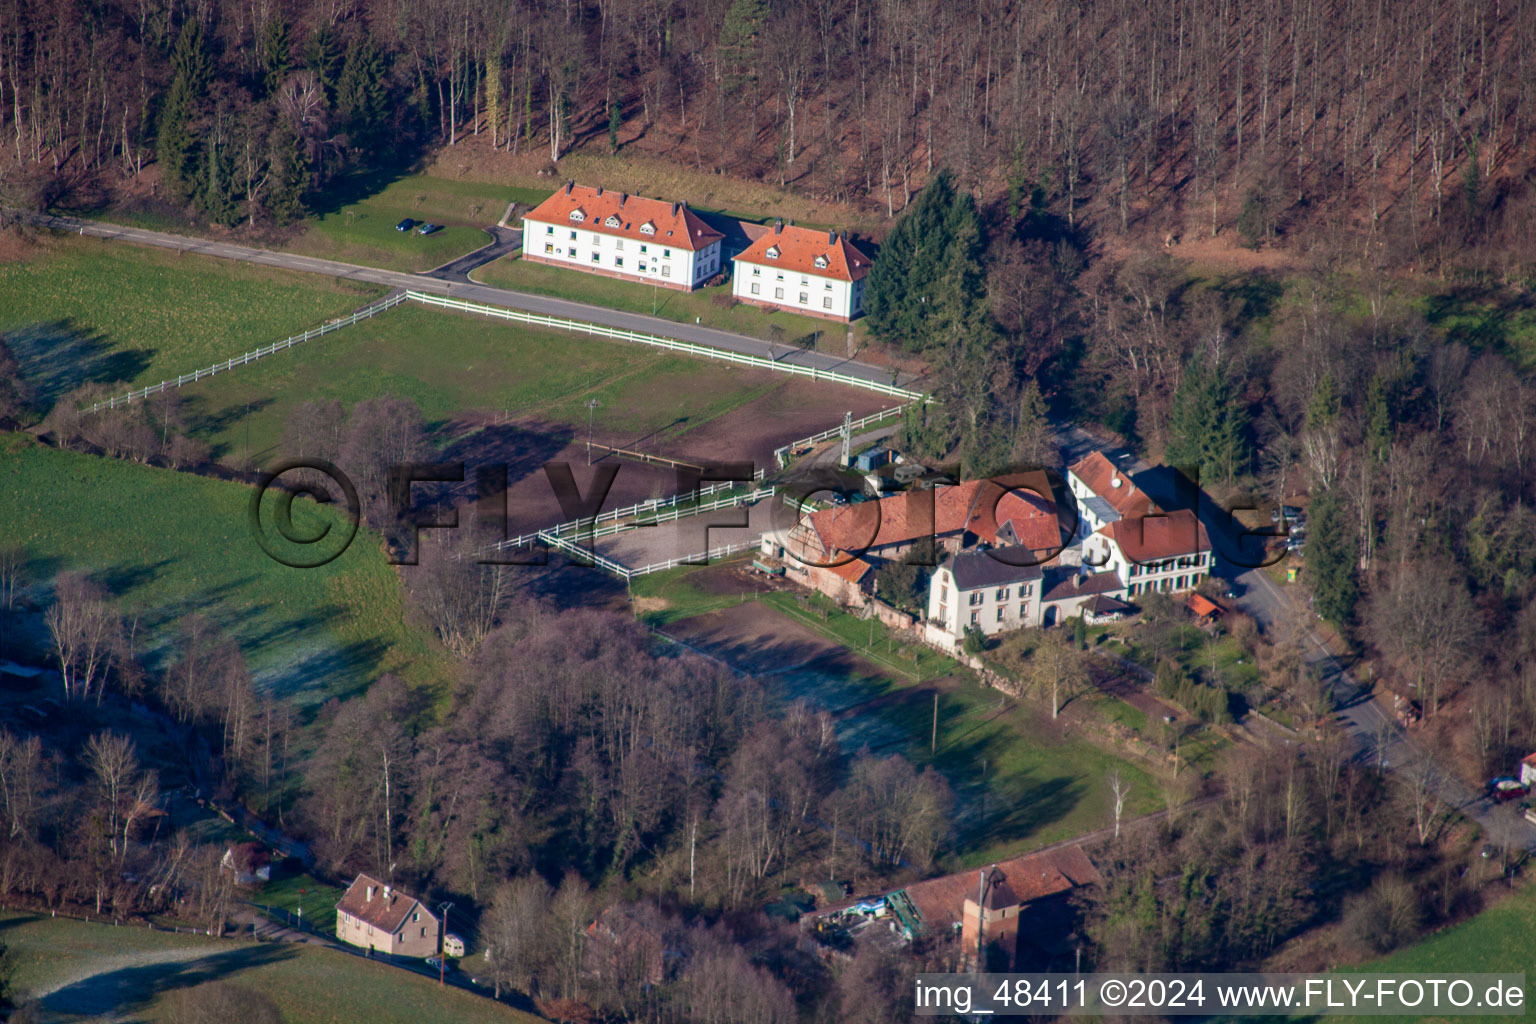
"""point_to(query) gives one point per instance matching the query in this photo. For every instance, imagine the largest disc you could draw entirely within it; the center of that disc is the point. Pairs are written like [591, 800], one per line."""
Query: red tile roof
[1154, 538]
[675, 225]
[848, 527]
[854, 571]
[1202, 606]
[387, 914]
[1103, 479]
[940, 901]
[799, 248]
[1023, 503]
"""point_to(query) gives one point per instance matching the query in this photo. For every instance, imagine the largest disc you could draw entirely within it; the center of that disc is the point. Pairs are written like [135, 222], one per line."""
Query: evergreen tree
[214, 197]
[900, 285]
[1331, 562]
[739, 43]
[276, 55]
[1378, 417]
[1209, 426]
[322, 55]
[289, 173]
[176, 142]
[362, 97]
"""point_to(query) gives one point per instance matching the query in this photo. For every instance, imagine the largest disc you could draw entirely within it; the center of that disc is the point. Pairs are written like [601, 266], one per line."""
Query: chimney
[831, 237]
[386, 894]
[599, 190]
[622, 196]
[778, 225]
[370, 895]
[674, 209]
[570, 185]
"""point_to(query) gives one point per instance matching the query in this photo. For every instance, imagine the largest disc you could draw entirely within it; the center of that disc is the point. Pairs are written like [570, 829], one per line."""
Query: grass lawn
[284, 897]
[80, 310]
[167, 543]
[1499, 940]
[682, 307]
[359, 225]
[451, 364]
[84, 970]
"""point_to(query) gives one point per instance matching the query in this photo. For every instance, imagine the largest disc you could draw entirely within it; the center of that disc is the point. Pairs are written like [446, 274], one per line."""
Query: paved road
[503, 241]
[452, 279]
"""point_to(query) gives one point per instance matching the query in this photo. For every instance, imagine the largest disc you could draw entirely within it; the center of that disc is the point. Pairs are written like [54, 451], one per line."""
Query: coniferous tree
[739, 42]
[176, 143]
[900, 284]
[214, 197]
[1209, 426]
[276, 55]
[361, 93]
[1331, 561]
[289, 174]
[323, 56]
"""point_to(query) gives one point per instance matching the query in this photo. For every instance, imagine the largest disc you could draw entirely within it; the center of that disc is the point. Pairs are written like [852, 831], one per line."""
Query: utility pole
[933, 744]
[592, 405]
[442, 945]
[847, 437]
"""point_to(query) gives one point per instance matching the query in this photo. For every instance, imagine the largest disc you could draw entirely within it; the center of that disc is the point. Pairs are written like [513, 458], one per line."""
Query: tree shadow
[135, 986]
[57, 356]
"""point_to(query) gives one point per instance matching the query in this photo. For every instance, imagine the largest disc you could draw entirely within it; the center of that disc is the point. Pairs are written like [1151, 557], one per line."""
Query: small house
[375, 915]
[1528, 771]
[250, 862]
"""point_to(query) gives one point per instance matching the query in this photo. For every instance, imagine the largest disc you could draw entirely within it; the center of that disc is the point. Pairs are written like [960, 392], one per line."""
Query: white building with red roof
[1156, 553]
[615, 234]
[800, 270]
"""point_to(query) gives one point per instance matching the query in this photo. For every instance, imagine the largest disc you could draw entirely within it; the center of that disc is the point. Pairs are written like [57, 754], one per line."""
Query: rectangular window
[826, 303]
[944, 613]
[597, 240]
[571, 253]
[642, 248]
[1002, 593]
[804, 281]
[549, 229]
[596, 258]
[1023, 611]
[618, 261]
[976, 597]
[548, 247]
[780, 277]
[666, 254]
[778, 293]
[573, 236]
[666, 270]
[975, 618]
[756, 287]
[827, 286]
[640, 266]
[618, 243]
[999, 613]
[804, 298]
[757, 271]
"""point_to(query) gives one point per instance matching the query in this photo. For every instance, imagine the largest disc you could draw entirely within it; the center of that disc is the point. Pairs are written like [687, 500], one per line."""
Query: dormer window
[647, 228]
[578, 215]
[821, 263]
[612, 221]
[773, 252]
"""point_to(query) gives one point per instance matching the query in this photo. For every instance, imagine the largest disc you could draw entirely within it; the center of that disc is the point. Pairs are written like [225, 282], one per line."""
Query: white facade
[1172, 575]
[650, 262]
[766, 284]
[995, 608]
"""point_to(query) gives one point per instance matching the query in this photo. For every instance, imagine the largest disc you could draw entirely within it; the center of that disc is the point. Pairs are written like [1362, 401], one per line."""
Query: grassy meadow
[453, 364]
[80, 310]
[167, 543]
[80, 972]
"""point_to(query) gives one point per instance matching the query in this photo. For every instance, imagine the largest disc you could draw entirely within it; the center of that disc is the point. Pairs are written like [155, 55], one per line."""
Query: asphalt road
[452, 279]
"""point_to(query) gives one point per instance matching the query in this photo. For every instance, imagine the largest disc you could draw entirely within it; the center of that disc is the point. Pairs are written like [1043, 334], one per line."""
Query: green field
[452, 364]
[681, 307]
[168, 543]
[360, 226]
[82, 971]
[82, 310]
[1499, 940]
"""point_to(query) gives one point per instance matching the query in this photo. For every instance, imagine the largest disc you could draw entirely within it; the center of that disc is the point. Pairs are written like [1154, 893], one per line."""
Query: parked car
[427, 229]
[405, 225]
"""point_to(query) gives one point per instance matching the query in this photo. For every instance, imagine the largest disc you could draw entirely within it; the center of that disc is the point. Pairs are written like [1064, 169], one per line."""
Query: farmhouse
[976, 589]
[1164, 553]
[1070, 592]
[373, 915]
[1104, 495]
[819, 273]
[884, 529]
[619, 235]
[1019, 907]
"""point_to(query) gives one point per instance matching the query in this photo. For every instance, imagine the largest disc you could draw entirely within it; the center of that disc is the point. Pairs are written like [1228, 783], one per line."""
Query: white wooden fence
[670, 344]
[781, 455]
[389, 302]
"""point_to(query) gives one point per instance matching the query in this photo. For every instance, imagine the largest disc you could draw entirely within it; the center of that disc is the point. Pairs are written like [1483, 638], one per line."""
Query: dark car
[405, 225]
[427, 229]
